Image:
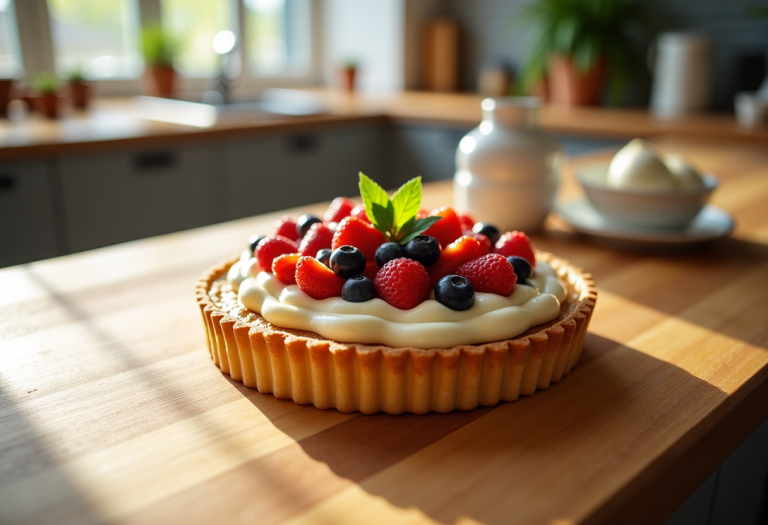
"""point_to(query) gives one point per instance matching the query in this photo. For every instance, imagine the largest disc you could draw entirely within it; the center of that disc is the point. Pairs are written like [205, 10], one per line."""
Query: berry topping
[305, 222]
[317, 280]
[466, 221]
[340, 207]
[284, 267]
[403, 283]
[447, 229]
[271, 247]
[359, 212]
[515, 243]
[490, 273]
[318, 237]
[362, 235]
[358, 289]
[371, 269]
[485, 242]
[455, 292]
[388, 251]
[462, 250]
[424, 249]
[286, 227]
[522, 268]
[253, 241]
[347, 261]
[324, 256]
[489, 230]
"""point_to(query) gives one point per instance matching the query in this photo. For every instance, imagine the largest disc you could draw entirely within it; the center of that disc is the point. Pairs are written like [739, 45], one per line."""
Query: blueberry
[324, 256]
[423, 249]
[455, 292]
[254, 240]
[358, 289]
[347, 261]
[522, 268]
[304, 223]
[389, 251]
[489, 230]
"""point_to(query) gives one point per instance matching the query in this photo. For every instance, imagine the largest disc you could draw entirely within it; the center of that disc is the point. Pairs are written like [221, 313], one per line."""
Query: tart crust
[309, 369]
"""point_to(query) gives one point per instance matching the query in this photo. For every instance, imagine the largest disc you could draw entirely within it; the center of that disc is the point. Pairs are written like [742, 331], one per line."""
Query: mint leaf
[419, 227]
[406, 202]
[383, 217]
[372, 194]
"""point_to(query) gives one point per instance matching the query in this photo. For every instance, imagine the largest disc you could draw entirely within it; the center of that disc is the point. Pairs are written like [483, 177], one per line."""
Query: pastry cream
[429, 325]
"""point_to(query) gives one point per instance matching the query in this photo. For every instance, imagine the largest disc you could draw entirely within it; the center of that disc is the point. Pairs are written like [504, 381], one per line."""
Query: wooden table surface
[112, 412]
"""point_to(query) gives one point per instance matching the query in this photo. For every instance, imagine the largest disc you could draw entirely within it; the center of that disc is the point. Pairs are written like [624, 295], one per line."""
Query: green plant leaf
[383, 217]
[406, 202]
[419, 227]
[372, 194]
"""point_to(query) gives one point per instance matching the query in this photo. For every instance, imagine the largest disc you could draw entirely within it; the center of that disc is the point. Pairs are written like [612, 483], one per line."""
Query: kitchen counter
[112, 411]
[112, 122]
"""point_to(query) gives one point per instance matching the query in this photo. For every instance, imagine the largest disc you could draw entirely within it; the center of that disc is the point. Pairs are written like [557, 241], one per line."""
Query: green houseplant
[46, 97]
[79, 89]
[160, 50]
[579, 43]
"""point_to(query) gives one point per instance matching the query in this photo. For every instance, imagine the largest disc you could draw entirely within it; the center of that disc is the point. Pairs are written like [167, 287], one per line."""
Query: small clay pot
[80, 93]
[48, 105]
[348, 75]
[161, 81]
[570, 87]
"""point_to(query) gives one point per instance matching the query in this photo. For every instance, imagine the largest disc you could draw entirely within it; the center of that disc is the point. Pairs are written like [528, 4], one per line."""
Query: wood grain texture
[112, 412]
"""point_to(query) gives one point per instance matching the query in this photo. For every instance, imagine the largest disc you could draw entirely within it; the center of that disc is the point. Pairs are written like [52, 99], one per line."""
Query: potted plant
[79, 89]
[579, 43]
[46, 97]
[160, 50]
[348, 75]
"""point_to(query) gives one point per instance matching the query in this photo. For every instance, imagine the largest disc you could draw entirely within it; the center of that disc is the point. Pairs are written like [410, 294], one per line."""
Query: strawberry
[317, 280]
[515, 243]
[422, 213]
[272, 247]
[447, 229]
[340, 207]
[403, 283]
[371, 269]
[462, 250]
[286, 227]
[318, 237]
[359, 212]
[485, 242]
[362, 235]
[466, 221]
[284, 267]
[490, 273]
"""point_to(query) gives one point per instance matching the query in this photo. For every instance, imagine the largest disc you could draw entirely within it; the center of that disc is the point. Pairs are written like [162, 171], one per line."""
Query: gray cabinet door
[265, 173]
[428, 151]
[122, 196]
[27, 231]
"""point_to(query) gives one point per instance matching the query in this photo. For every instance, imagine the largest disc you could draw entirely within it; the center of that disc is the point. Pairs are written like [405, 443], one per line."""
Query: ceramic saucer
[710, 224]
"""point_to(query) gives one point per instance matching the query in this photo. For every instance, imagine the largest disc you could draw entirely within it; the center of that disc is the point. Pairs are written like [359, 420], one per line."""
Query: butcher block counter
[112, 411]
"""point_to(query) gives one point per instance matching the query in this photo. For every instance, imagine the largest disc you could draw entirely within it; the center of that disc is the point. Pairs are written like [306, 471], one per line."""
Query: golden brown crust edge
[369, 379]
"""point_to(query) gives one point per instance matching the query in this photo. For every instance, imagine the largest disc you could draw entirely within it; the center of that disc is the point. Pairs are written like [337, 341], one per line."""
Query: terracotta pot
[80, 92]
[348, 78]
[161, 81]
[540, 90]
[6, 94]
[48, 105]
[570, 87]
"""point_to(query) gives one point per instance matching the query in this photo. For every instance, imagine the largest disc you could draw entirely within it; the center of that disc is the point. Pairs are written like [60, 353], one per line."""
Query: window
[99, 38]
[10, 62]
[277, 34]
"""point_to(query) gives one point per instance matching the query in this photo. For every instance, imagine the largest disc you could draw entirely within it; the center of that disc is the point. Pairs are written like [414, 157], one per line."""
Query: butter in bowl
[640, 188]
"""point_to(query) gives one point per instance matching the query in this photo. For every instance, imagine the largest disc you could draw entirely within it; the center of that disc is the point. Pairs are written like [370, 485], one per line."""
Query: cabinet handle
[7, 182]
[154, 160]
[301, 143]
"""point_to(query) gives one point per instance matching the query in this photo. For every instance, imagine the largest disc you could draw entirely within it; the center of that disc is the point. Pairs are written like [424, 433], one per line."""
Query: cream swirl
[428, 325]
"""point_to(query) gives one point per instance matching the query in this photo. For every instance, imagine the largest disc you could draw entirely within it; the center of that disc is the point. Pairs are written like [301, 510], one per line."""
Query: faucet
[219, 87]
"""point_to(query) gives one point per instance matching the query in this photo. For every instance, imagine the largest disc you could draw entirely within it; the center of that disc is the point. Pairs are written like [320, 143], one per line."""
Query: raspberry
[515, 243]
[318, 237]
[286, 227]
[462, 250]
[490, 273]
[466, 221]
[403, 283]
[272, 247]
[359, 212]
[284, 267]
[317, 280]
[362, 235]
[447, 229]
[340, 207]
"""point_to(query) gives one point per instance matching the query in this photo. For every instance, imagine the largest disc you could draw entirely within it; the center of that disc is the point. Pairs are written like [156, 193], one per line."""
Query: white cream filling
[428, 325]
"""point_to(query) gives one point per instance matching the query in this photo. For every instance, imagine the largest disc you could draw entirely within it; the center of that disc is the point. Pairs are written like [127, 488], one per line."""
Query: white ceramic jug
[507, 169]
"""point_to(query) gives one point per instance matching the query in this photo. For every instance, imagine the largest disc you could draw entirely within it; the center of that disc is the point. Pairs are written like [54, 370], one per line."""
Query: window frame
[36, 46]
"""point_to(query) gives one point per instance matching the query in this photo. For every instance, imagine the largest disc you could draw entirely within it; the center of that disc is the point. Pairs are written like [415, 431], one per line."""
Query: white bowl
[643, 207]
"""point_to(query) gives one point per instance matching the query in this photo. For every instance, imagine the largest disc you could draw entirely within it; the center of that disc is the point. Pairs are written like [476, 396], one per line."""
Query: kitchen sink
[271, 104]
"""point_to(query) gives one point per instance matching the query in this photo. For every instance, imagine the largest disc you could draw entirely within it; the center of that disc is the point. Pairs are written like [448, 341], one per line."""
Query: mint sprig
[395, 217]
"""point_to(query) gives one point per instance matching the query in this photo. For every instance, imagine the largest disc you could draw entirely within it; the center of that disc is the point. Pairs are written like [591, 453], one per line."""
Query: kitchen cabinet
[426, 150]
[27, 203]
[125, 195]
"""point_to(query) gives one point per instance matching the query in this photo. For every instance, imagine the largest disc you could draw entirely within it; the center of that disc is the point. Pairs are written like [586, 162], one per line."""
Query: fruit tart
[388, 307]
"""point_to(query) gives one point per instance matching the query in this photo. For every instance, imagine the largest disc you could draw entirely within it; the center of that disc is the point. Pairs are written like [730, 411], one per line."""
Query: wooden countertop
[112, 123]
[112, 411]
